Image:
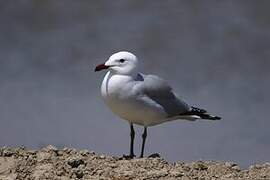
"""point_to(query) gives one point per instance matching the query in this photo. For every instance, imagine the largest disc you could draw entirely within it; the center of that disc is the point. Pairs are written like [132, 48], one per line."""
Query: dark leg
[132, 136]
[131, 151]
[144, 135]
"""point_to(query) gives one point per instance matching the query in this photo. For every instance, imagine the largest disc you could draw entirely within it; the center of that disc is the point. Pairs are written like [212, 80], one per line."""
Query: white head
[120, 63]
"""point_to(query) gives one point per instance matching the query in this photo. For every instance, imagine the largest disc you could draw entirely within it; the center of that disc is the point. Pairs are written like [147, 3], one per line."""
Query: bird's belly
[137, 112]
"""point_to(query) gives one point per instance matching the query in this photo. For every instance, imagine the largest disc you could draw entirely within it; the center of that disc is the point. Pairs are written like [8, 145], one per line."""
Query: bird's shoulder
[151, 83]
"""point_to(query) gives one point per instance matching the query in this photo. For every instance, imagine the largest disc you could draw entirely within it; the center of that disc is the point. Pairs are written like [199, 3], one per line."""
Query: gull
[144, 100]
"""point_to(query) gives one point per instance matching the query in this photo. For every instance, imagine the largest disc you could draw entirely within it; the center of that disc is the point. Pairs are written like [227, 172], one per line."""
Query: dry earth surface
[63, 164]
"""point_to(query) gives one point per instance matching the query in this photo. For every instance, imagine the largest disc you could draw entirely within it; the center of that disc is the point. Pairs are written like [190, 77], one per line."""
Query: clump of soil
[63, 164]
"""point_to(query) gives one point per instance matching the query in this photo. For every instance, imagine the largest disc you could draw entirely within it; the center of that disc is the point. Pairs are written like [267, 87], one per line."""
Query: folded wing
[158, 90]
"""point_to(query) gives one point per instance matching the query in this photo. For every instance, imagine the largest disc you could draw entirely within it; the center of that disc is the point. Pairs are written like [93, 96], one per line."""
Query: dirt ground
[63, 164]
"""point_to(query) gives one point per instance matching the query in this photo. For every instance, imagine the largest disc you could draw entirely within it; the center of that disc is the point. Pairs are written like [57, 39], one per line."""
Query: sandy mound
[51, 163]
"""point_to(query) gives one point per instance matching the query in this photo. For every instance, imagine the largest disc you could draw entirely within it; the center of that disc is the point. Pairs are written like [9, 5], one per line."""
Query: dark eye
[122, 60]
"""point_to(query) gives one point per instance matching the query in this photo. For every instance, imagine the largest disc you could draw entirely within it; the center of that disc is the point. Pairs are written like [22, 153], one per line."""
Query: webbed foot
[155, 155]
[127, 157]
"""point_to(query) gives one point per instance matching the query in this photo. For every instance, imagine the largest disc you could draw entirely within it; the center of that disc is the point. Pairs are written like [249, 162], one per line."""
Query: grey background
[214, 53]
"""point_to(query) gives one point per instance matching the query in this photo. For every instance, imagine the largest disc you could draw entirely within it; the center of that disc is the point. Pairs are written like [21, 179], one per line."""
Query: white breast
[117, 92]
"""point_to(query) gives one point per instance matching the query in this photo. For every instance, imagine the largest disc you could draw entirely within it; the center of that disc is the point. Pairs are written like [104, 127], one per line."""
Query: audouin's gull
[145, 100]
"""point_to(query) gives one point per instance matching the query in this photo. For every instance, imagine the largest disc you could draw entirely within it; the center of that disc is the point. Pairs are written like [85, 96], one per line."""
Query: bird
[140, 99]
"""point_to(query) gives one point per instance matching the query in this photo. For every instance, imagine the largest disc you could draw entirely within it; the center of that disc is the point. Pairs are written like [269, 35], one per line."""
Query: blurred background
[215, 55]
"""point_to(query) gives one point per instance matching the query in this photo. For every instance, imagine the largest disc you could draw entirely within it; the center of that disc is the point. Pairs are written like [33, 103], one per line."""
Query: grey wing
[161, 93]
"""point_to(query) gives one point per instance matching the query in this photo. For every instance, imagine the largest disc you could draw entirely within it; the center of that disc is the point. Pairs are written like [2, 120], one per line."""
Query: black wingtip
[209, 117]
[202, 113]
[216, 118]
[198, 110]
